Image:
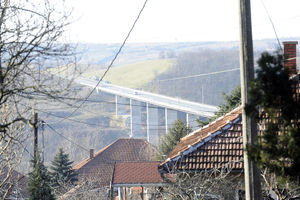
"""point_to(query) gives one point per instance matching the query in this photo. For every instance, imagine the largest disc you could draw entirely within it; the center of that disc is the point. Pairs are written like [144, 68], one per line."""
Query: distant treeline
[214, 71]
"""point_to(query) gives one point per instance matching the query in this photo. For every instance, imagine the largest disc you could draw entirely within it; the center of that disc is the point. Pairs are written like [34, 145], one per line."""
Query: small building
[139, 178]
[219, 145]
[99, 166]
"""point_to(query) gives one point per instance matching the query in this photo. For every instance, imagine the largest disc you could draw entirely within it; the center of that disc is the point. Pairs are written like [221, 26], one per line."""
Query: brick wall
[290, 54]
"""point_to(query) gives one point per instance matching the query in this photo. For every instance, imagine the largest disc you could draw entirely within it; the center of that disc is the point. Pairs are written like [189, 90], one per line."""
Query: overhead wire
[177, 78]
[25, 148]
[274, 29]
[108, 68]
[112, 62]
[91, 124]
[98, 125]
[199, 75]
[68, 139]
[51, 114]
[111, 102]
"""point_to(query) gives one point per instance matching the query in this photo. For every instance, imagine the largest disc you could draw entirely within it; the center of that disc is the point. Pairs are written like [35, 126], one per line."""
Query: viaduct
[151, 114]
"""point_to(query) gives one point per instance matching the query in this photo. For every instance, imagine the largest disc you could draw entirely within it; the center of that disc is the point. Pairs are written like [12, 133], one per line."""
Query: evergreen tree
[39, 182]
[232, 101]
[276, 106]
[172, 138]
[62, 174]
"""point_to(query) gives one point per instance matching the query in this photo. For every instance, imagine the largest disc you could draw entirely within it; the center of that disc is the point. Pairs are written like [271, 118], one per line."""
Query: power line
[78, 99]
[98, 125]
[113, 60]
[199, 75]
[101, 101]
[110, 102]
[66, 138]
[219, 112]
[216, 72]
[92, 124]
[51, 114]
[25, 148]
[279, 44]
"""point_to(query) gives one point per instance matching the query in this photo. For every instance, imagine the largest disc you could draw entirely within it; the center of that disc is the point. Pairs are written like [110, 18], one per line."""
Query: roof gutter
[138, 184]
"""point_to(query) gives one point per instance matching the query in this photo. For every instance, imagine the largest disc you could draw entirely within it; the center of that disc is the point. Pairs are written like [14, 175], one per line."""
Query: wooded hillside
[200, 76]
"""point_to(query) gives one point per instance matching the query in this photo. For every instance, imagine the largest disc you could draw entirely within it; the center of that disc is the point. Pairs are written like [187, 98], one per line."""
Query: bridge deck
[151, 98]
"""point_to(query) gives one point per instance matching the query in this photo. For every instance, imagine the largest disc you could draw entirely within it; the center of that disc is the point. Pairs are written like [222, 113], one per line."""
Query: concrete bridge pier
[153, 124]
[122, 105]
[149, 121]
[138, 119]
[172, 115]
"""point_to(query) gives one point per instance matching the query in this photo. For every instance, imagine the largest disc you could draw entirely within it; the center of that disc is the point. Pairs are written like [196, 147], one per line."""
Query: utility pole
[35, 138]
[252, 176]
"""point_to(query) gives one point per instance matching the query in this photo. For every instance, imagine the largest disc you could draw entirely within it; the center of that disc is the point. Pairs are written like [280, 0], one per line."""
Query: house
[219, 145]
[216, 145]
[136, 177]
[114, 166]
[99, 166]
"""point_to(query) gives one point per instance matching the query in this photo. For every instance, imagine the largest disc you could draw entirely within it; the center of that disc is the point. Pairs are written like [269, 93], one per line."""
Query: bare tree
[87, 189]
[209, 184]
[204, 185]
[30, 43]
[11, 151]
[274, 189]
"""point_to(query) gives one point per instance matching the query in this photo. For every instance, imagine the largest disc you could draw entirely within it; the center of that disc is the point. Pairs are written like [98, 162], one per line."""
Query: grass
[134, 75]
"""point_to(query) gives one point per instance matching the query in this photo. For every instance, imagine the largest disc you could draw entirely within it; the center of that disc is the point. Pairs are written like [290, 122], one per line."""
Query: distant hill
[135, 75]
[102, 54]
[201, 76]
[146, 66]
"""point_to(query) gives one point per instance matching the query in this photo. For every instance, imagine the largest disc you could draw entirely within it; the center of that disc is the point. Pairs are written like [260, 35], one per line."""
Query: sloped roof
[136, 173]
[213, 146]
[100, 167]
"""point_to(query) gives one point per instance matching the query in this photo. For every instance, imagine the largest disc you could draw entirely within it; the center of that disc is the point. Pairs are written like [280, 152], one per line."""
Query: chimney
[290, 53]
[91, 153]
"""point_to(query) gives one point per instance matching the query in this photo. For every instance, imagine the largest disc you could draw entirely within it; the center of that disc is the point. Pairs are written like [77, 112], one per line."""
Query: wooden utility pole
[252, 176]
[35, 138]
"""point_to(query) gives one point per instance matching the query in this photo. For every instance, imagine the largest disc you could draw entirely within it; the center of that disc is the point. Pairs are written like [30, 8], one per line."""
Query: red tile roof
[136, 173]
[100, 167]
[216, 145]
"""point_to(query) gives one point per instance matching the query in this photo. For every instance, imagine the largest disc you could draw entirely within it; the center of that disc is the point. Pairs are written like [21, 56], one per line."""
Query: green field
[134, 75]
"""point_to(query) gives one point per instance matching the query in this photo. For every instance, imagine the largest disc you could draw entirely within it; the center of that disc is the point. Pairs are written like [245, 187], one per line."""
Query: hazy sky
[105, 21]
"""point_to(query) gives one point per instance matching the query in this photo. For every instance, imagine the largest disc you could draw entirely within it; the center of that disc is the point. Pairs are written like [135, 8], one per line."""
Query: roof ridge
[213, 122]
[87, 160]
[137, 161]
[201, 141]
[213, 134]
[206, 133]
